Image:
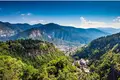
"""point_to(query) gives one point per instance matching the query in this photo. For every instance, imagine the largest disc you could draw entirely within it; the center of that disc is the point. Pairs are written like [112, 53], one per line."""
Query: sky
[80, 14]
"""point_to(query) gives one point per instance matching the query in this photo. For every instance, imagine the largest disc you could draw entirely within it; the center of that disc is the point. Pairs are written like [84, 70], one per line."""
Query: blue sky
[85, 14]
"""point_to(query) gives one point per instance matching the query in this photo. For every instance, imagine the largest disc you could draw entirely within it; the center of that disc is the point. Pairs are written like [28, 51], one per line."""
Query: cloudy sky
[82, 14]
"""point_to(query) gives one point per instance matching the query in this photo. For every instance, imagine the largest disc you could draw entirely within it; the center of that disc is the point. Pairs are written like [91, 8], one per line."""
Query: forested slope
[34, 60]
[99, 46]
[104, 56]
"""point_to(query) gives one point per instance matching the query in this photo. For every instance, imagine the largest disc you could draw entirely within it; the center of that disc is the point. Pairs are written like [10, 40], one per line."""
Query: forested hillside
[104, 56]
[34, 60]
[99, 46]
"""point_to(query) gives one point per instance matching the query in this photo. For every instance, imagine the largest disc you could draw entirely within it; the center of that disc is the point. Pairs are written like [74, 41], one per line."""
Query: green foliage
[104, 56]
[107, 66]
[30, 73]
[10, 68]
[34, 60]
[99, 46]
[59, 69]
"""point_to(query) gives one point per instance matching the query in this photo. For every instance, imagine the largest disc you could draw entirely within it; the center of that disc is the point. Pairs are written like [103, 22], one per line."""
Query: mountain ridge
[56, 32]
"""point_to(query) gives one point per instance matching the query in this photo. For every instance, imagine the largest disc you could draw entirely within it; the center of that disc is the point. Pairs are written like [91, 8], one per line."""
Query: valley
[59, 40]
[51, 51]
[62, 36]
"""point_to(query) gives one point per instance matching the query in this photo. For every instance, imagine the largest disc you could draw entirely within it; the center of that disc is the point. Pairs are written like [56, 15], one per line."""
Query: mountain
[22, 27]
[99, 46]
[51, 32]
[110, 30]
[104, 56]
[34, 60]
[33, 33]
[17, 27]
[28, 48]
[7, 29]
[69, 34]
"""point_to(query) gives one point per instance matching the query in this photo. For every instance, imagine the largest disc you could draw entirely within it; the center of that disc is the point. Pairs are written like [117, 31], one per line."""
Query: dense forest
[104, 56]
[34, 60]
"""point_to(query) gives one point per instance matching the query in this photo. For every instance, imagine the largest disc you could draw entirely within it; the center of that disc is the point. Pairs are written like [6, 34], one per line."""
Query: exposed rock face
[82, 64]
[6, 33]
[35, 34]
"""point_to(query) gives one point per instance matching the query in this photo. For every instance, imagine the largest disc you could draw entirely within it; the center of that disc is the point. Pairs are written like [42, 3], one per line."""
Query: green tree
[10, 68]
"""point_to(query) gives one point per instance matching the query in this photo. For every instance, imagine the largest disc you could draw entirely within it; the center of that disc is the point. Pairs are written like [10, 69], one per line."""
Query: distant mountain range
[110, 30]
[61, 34]
[7, 29]
[57, 34]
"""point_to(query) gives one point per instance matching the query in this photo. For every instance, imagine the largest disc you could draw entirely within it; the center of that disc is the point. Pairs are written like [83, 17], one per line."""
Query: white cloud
[71, 25]
[83, 20]
[37, 21]
[29, 14]
[41, 20]
[22, 14]
[117, 19]
[91, 24]
[115, 23]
